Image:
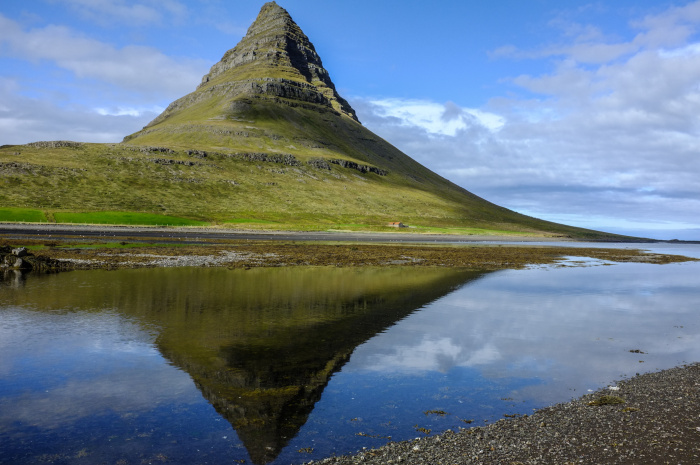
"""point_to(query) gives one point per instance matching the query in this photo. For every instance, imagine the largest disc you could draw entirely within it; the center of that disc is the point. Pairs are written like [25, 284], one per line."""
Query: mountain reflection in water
[261, 345]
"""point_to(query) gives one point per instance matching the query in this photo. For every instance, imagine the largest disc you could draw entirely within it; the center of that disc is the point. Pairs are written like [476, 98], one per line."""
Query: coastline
[75, 247]
[650, 418]
[51, 255]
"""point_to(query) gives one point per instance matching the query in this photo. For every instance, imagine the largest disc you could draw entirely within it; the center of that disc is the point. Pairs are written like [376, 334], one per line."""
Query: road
[209, 235]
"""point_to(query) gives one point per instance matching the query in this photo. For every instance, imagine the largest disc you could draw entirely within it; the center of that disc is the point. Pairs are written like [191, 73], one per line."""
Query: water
[289, 365]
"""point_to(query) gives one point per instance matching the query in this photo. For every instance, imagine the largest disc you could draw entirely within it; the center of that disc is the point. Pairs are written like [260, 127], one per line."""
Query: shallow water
[289, 365]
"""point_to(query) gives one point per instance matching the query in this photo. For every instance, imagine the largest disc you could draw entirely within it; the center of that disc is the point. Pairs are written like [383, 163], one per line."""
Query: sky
[580, 112]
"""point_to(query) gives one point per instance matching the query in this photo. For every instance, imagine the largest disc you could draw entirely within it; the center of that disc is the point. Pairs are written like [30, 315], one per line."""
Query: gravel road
[21, 231]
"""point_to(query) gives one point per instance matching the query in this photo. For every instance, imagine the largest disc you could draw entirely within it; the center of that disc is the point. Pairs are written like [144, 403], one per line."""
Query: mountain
[265, 140]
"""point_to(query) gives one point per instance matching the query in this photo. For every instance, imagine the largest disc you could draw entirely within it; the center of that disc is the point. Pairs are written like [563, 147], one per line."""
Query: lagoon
[286, 365]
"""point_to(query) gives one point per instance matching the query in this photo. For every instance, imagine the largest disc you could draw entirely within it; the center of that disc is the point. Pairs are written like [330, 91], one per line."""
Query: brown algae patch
[607, 400]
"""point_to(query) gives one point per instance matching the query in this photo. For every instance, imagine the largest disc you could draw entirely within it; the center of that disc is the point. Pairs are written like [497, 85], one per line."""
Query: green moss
[420, 429]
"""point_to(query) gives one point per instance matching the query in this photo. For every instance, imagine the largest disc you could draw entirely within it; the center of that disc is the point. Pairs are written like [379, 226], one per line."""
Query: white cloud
[688, 50]
[544, 323]
[134, 68]
[129, 111]
[128, 86]
[428, 354]
[437, 119]
[432, 354]
[137, 379]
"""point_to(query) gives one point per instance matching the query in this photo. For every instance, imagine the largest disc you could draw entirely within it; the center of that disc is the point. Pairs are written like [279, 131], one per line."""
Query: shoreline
[649, 418]
[67, 247]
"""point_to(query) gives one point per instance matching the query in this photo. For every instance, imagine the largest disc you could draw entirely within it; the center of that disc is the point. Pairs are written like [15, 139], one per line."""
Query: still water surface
[288, 365]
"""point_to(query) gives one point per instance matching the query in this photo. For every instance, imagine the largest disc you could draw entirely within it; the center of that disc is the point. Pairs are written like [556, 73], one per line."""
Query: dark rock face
[53, 144]
[360, 168]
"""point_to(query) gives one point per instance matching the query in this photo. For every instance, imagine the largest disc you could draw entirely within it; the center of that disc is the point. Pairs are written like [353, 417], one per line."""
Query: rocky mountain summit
[275, 61]
[274, 40]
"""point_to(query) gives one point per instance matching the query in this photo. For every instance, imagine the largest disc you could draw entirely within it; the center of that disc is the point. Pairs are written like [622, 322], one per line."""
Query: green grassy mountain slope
[265, 141]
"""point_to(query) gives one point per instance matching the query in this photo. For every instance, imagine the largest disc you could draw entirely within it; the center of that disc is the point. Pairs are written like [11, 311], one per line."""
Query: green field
[125, 218]
[22, 215]
[134, 185]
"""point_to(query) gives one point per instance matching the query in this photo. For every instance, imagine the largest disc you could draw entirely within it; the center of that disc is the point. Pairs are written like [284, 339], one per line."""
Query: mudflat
[249, 254]
[92, 247]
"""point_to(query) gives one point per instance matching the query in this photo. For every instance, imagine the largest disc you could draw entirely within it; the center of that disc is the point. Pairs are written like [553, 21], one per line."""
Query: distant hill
[265, 141]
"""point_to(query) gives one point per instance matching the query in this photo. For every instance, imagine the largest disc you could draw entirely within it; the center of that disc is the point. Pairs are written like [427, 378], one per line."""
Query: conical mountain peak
[274, 40]
[275, 61]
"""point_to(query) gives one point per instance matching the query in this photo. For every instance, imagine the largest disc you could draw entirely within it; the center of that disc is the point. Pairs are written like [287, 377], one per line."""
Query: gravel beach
[650, 419]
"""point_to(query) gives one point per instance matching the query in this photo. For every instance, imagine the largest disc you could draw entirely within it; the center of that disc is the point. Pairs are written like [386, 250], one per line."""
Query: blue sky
[578, 112]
